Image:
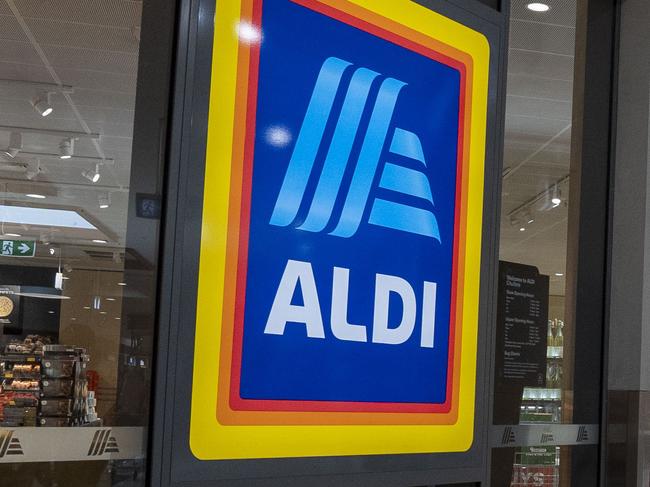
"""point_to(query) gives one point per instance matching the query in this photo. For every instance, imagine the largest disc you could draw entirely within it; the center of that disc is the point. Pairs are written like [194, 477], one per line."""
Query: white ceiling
[91, 46]
[538, 135]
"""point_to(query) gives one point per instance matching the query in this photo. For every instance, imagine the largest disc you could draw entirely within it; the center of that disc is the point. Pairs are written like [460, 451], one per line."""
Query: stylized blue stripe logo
[394, 177]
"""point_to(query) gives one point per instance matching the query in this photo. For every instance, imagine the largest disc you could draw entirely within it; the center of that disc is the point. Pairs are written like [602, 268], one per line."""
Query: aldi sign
[340, 253]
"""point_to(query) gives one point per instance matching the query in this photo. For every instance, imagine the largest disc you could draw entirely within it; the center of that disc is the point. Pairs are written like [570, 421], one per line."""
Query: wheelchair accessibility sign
[339, 274]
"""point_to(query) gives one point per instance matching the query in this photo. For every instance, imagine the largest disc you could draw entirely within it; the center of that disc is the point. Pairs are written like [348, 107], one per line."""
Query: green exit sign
[17, 248]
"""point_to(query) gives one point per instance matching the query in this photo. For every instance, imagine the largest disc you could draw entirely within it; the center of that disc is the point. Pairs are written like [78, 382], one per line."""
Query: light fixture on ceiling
[14, 235]
[104, 200]
[559, 274]
[100, 241]
[121, 283]
[15, 145]
[66, 148]
[36, 196]
[31, 173]
[92, 175]
[538, 7]
[556, 199]
[528, 217]
[522, 229]
[41, 104]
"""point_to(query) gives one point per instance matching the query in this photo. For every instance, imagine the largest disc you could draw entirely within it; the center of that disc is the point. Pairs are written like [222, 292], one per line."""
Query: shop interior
[535, 214]
[67, 98]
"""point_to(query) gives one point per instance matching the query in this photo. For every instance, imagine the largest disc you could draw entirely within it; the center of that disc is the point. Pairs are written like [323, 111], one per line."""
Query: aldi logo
[102, 442]
[9, 444]
[395, 177]
[339, 190]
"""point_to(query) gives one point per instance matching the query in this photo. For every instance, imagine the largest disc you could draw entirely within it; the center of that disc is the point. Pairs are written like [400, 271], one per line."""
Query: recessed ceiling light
[51, 312]
[559, 274]
[522, 229]
[86, 307]
[117, 318]
[110, 299]
[36, 196]
[121, 283]
[100, 241]
[538, 7]
[102, 312]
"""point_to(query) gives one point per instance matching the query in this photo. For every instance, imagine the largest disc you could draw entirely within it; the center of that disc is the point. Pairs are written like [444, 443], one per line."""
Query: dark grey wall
[628, 421]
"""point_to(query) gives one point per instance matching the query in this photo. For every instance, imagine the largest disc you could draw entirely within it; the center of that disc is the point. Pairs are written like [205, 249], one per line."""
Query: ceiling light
[121, 283]
[15, 145]
[45, 217]
[522, 229]
[528, 217]
[100, 241]
[32, 173]
[104, 200]
[92, 175]
[556, 199]
[538, 7]
[36, 196]
[66, 148]
[42, 104]
[110, 299]
[559, 274]
[15, 235]
[86, 307]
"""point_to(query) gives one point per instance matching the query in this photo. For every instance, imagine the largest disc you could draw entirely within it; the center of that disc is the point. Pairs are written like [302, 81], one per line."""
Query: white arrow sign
[24, 248]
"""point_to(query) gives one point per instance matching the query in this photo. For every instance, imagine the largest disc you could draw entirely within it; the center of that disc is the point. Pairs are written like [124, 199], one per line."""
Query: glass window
[81, 138]
[536, 357]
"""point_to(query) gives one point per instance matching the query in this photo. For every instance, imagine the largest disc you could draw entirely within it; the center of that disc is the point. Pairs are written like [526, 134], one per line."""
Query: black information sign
[522, 316]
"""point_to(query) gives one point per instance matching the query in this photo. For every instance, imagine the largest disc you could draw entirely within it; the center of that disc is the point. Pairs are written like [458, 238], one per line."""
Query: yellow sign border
[210, 440]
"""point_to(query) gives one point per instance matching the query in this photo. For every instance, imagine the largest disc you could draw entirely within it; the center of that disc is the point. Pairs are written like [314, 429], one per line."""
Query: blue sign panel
[351, 243]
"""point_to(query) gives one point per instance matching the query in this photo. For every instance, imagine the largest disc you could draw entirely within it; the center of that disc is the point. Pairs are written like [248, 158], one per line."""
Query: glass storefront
[82, 132]
[548, 365]
[85, 103]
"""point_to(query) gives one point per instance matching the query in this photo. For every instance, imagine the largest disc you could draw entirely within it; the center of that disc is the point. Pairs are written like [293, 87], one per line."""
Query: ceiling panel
[116, 13]
[526, 85]
[10, 30]
[544, 65]
[538, 137]
[50, 32]
[542, 38]
[19, 52]
[562, 12]
[95, 60]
